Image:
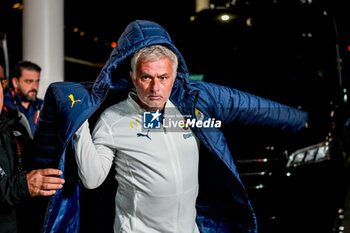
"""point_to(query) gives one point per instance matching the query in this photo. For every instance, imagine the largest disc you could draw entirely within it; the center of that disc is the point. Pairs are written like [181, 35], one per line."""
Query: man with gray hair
[149, 185]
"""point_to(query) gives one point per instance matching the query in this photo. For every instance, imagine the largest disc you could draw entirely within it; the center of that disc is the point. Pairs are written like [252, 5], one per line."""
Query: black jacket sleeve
[13, 189]
[14, 141]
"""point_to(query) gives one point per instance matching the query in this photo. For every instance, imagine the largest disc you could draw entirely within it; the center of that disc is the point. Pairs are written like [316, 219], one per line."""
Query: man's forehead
[30, 74]
[143, 73]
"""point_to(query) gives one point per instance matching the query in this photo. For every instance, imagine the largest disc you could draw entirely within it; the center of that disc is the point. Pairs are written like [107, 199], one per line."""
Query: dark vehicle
[288, 53]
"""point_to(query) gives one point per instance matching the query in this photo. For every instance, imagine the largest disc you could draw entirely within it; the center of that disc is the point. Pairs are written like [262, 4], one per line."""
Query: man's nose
[155, 85]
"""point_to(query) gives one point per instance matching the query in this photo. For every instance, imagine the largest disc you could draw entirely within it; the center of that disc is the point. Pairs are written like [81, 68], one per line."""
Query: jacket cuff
[23, 185]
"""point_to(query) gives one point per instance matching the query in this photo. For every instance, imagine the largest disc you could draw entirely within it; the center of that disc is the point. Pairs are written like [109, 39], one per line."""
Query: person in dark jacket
[3, 79]
[16, 184]
[222, 204]
[22, 96]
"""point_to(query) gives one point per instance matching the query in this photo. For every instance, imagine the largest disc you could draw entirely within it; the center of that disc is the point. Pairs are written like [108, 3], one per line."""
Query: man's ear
[15, 82]
[4, 83]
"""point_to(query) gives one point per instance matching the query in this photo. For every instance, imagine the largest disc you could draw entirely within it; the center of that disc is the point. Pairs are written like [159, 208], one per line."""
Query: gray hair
[153, 53]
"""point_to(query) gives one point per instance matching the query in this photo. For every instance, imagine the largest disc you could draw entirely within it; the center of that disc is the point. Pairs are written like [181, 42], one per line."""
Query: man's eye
[146, 77]
[163, 78]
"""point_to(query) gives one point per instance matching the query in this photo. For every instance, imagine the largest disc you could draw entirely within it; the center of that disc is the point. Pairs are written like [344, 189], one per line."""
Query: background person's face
[27, 85]
[153, 83]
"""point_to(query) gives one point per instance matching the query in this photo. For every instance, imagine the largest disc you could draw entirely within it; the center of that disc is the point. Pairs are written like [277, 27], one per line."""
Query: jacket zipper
[178, 174]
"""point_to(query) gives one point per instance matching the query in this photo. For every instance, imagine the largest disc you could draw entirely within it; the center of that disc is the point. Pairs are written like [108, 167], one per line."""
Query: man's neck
[25, 104]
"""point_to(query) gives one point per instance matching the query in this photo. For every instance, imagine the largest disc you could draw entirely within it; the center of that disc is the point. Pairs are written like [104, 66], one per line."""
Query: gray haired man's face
[153, 82]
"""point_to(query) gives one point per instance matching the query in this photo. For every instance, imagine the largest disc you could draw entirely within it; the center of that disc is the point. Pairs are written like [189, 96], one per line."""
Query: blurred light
[325, 13]
[288, 174]
[309, 2]
[225, 17]
[199, 77]
[82, 33]
[348, 47]
[18, 6]
[95, 39]
[309, 34]
[113, 44]
[192, 18]
[249, 22]
[320, 73]
[345, 95]
[75, 29]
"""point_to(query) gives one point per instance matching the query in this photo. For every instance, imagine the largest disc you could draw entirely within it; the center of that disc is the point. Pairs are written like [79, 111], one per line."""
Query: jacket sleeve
[94, 161]
[12, 189]
[13, 184]
[231, 105]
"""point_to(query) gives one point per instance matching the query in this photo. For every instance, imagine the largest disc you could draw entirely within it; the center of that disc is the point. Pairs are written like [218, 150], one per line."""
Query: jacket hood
[138, 34]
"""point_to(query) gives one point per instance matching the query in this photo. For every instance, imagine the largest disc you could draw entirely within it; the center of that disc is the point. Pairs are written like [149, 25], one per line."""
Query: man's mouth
[154, 97]
[32, 91]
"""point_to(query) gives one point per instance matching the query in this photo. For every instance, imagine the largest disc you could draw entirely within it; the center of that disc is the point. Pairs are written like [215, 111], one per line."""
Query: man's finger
[50, 186]
[53, 180]
[47, 192]
[50, 172]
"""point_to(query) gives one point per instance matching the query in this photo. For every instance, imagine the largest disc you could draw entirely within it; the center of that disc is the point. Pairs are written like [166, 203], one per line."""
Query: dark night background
[102, 22]
[296, 52]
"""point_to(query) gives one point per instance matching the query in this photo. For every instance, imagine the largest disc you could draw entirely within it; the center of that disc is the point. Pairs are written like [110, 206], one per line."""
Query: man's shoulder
[8, 113]
[117, 109]
[119, 112]
[8, 99]
[14, 120]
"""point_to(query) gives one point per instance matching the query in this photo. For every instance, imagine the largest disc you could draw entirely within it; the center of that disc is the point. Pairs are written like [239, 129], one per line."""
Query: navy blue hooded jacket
[222, 204]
